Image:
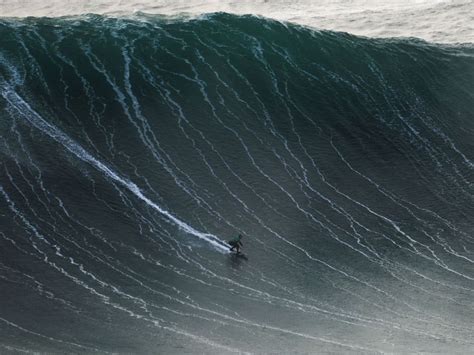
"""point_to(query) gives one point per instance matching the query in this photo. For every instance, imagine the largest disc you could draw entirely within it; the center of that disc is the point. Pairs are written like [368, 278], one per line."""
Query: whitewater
[445, 21]
[137, 138]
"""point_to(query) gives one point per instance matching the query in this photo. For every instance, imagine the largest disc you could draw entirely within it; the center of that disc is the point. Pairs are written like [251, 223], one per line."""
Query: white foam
[449, 21]
[37, 121]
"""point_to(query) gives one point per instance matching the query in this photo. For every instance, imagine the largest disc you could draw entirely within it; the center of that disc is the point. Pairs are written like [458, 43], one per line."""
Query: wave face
[132, 150]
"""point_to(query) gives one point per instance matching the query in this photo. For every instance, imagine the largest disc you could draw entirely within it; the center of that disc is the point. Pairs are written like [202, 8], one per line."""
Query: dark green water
[132, 149]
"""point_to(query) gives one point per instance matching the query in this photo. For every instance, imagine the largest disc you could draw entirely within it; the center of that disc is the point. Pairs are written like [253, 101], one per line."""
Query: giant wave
[133, 148]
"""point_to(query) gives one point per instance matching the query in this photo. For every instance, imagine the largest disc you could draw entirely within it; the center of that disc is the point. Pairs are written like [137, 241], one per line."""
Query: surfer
[236, 243]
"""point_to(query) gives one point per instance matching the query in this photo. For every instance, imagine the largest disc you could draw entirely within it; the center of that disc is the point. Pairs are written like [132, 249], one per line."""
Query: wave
[436, 21]
[133, 148]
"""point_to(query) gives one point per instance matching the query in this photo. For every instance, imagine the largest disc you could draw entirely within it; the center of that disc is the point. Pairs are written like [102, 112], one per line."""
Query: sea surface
[133, 147]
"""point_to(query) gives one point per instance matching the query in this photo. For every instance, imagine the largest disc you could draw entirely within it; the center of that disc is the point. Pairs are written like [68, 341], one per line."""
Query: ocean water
[133, 147]
[446, 21]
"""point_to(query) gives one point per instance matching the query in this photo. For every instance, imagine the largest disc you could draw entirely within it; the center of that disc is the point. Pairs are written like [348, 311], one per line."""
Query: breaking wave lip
[438, 21]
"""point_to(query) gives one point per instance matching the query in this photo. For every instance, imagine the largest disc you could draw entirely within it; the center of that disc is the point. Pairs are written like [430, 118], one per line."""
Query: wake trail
[25, 110]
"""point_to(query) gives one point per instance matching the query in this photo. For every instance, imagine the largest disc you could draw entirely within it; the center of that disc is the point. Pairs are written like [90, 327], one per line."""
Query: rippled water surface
[132, 149]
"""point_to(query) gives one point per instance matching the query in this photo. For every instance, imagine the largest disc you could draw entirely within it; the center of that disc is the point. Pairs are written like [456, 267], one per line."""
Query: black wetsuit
[235, 244]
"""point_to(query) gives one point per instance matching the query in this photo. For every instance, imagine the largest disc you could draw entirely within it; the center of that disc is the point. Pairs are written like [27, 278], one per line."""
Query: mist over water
[132, 148]
[442, 21]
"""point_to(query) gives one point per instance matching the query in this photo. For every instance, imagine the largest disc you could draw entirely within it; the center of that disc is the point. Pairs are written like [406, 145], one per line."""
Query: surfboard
[240, 255]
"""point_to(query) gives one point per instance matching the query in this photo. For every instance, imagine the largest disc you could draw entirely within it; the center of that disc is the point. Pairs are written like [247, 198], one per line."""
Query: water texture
[133, 148]
[446, 21]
